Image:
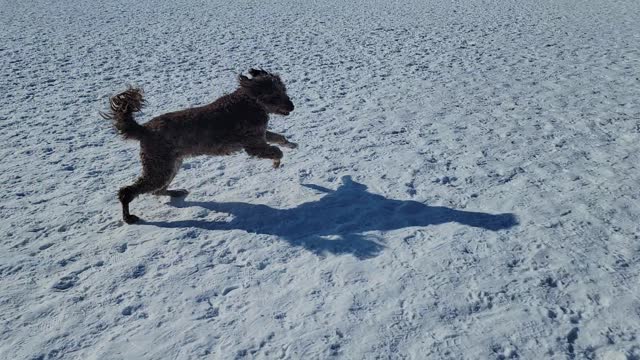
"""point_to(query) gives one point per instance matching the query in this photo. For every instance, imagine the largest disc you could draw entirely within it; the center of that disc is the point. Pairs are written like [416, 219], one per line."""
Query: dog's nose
[290, 105]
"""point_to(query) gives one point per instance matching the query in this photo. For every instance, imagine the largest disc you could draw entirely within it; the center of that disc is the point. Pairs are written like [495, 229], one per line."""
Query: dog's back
[219, 128]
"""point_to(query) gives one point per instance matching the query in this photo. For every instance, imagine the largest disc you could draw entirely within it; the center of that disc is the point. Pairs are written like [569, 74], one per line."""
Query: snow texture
[466, 185]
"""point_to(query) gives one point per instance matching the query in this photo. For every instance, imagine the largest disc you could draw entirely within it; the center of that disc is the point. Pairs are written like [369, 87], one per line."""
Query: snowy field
[466, 186]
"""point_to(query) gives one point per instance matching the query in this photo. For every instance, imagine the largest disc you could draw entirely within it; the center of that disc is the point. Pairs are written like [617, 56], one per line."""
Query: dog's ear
[256, 72]
[243, 80]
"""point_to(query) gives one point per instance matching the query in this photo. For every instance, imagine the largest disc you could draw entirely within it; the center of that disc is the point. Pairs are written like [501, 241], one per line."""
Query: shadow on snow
[335, 223]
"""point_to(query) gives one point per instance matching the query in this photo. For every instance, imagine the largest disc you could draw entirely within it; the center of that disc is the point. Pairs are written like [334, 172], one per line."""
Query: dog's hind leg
[128, 193]
[172, 192]
[157, 173]
[176, 192]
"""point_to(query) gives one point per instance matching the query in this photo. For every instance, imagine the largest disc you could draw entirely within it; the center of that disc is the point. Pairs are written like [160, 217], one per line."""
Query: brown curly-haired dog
[235, 122]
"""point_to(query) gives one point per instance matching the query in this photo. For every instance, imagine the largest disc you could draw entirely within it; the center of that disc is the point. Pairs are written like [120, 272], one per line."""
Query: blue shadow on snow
[335, 223]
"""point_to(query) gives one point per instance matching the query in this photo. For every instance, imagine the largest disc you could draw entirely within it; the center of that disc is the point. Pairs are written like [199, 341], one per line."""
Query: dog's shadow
[336, 222]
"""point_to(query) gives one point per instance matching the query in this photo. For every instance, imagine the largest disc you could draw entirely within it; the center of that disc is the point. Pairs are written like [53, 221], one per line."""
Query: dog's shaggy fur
[235, 122]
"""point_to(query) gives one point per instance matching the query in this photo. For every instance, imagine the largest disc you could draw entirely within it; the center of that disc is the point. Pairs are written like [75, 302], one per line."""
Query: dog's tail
[122, 107]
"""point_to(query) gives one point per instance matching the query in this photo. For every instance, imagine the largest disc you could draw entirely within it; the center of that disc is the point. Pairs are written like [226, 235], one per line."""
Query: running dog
[232, 123]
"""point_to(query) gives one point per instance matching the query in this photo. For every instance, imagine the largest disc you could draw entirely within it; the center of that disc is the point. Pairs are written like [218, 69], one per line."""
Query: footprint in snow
[121, 248]
[66, 283]
[137, 272]
[228, 290]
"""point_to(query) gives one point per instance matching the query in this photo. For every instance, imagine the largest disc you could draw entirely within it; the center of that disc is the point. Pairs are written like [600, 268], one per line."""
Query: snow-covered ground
[466, 186]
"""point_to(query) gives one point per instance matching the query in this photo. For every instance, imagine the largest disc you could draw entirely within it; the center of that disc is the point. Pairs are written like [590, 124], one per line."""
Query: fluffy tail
[122, 107]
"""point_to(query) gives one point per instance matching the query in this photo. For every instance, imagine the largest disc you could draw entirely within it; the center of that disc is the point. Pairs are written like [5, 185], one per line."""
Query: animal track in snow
[66, 282]
[229, 289]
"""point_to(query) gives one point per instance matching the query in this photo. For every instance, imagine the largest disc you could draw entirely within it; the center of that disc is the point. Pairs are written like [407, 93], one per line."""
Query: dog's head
[268, 90]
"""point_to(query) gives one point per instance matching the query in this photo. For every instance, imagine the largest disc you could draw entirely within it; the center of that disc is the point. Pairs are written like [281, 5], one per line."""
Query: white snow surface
[466, 186]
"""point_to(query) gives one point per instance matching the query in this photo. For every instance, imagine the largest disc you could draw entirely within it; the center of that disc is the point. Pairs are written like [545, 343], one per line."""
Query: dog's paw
[290, 145]
[276, 164]
[177, 193]
[131, 219]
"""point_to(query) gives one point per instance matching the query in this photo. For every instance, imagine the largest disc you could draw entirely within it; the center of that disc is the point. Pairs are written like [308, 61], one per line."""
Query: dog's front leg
[265, 151]
[276, 138]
